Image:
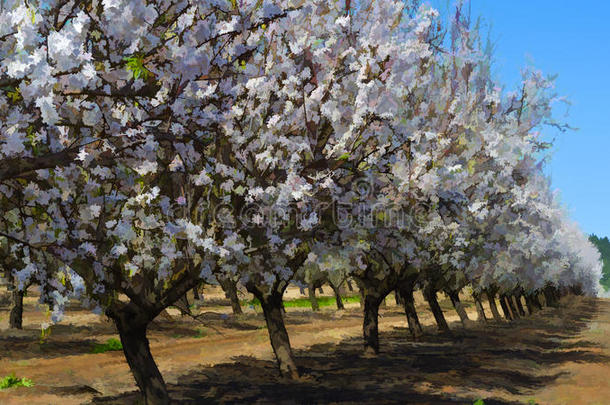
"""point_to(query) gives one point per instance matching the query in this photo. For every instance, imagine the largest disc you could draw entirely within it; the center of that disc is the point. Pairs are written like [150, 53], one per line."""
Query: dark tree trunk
[183, 305]
[371, 326]
[406, 296]
[349, 285]
[280, 342]
[373, 291]
[513, 308]
[196, 296]
[517, 299]
[491, 298]
[361, 298]
[505, 308]
[16, 314]
[480, 311]
[536, 300]
[338, 299]
[230, 288]
[315, 306]
[441, 322]
[459, 307]
[529, 304]
[542, 300]
[550, 297]
[399, 301]
[140, 360]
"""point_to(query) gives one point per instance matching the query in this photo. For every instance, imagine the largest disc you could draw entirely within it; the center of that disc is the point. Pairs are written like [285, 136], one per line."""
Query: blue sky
[571, 39]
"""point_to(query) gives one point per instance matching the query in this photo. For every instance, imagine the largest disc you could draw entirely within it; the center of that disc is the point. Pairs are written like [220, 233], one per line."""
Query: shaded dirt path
[559, 356]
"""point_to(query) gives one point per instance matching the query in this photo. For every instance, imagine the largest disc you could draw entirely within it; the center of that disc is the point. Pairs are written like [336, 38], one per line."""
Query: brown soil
[558, 356]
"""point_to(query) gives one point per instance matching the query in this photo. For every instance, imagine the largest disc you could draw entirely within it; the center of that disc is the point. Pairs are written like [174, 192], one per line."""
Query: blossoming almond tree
[100, 111]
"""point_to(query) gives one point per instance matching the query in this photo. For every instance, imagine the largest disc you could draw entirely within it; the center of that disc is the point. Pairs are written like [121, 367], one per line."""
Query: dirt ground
[558, 356]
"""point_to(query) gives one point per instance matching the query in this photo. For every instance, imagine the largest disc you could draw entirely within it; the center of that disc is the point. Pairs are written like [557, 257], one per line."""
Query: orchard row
[145, 146]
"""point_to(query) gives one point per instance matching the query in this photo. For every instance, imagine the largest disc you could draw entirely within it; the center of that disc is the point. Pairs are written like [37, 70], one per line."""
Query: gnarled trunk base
[370, 326]
[141, 362]
[280, 342]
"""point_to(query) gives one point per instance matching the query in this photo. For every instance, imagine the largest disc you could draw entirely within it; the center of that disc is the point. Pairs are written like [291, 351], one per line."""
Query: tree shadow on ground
[497, 358]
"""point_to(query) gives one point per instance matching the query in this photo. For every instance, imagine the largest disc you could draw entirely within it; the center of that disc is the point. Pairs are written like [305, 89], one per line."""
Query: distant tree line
[603, 245]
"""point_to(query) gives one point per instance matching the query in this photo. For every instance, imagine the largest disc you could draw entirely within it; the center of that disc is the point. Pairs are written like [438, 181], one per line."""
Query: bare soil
[558, 356]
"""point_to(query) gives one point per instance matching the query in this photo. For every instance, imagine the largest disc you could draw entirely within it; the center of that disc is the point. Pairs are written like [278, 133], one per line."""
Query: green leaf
[345, 156]
[135, 64]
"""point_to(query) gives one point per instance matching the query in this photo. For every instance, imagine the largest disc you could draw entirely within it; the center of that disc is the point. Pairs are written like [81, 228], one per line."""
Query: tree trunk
[459, 307]
[432, 299]
[315, 306]
[517, 299]
[235, 305]
[349, 285]
[529, 304]
[196, 293]
[536, 300]
[183, 305]
[397, 299]
[280, 342]
[406, 296]
[361, 298]
[513, 308]
[141, 362]
[491, 298]
[549, 296]
[338, 297]
[230, 288]
[370, 325]
[16, 315]
[505, 308]
[480, 311]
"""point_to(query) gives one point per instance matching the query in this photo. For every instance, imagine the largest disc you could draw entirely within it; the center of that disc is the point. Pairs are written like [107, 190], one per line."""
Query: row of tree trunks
[520, 309]
[505, 308]
[551, 296]
[313, 299]
[533, 303]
